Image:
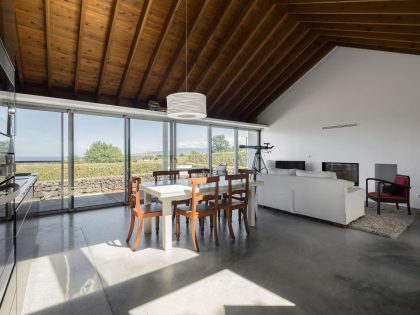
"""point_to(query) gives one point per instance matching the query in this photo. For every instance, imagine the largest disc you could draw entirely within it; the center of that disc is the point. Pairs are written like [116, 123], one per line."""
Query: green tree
[219, 143]
[101, 152]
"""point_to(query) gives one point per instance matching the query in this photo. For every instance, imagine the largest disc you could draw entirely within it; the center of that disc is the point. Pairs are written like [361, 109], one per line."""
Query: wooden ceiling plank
[371, 35]
[377, 28]
[259, 75]
[110, 31]
[292, 2]
[147, 4]
[19, 63]
[211, 32]
[384, 19]
[182, 44]
[251, 38]
[394, 8]
[305, 58]
[79, 45]
[283, 29]
[48, 41]
[246, 12]
[271, 79]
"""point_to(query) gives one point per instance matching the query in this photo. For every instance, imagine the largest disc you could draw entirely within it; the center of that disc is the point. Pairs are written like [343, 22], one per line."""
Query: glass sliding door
[191, 147]
[149, 141]
[98, 160]
[39, 148]
[246, 156]
[223, 148]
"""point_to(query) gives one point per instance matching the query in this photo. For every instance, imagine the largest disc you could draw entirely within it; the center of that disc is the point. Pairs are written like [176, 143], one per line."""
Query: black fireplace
[347, 171]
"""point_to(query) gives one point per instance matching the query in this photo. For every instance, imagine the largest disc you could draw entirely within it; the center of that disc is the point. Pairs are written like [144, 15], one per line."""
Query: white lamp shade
[186, 105]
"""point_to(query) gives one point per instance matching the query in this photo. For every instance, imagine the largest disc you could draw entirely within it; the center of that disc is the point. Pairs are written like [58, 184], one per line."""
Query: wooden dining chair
[252, 175]
[140, 211]
[233, 202]
[200, 208]
[173, 176]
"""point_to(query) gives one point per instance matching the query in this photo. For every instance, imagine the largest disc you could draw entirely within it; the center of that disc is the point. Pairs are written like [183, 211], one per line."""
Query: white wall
[380, 91]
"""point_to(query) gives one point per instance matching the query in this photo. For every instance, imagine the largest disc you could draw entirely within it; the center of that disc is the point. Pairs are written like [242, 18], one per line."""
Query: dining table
[167, 191]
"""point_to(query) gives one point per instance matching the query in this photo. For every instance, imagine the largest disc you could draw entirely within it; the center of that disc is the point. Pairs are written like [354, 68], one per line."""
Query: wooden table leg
[147, 222]
[167, 224]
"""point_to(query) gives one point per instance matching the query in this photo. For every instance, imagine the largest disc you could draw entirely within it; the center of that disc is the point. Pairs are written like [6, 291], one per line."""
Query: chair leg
[211, 222]
[202, 225]
[229, 218]
[239, 217]
[378, 207]
[194, 235]
[397, 205]
[138, 235]
[130, 231]
[157, 225]
[177, 227]
[408, 208]
[216, 235]
[218, 213]
[245, 220]
[187, 221]
[173, 213]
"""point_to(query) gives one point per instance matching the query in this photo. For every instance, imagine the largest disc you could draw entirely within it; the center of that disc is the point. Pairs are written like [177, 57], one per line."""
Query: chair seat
[201, 207]
[152, 208]
[224, 203]
[384, 196]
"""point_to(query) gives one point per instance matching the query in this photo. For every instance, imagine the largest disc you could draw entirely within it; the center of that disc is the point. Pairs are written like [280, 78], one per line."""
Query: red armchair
[400, 181]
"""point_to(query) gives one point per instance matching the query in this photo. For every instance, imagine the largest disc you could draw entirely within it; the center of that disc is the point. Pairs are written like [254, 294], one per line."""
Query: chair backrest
[134, 196]
[242, 190]
[173, 175]
[194, 182]
[403, 180]
[251, 173]
[198, 172]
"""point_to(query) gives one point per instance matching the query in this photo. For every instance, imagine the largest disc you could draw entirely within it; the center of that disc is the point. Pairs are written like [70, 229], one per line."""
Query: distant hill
[179, 151]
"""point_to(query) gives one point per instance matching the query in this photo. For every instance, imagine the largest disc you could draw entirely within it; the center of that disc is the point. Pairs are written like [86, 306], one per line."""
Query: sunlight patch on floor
[116, 263]
[209, 296]
[57, 279]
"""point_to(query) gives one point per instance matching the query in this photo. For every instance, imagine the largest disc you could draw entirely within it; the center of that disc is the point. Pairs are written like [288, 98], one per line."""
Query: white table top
[181, 189]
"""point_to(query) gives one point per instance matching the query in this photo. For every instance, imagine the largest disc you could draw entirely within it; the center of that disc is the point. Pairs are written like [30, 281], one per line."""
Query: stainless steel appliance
[8, 188]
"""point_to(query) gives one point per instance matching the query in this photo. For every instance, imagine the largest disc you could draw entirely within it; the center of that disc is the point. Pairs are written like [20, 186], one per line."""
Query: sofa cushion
[316, 174]
[280, 171]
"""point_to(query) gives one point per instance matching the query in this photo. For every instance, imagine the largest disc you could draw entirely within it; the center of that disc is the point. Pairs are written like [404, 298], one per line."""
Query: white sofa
[329, 199]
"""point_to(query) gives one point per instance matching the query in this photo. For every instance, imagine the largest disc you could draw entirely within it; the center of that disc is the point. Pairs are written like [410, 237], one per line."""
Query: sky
[39, 134]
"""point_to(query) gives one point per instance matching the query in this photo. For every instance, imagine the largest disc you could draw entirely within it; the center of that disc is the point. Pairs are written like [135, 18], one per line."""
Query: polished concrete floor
[79, 264]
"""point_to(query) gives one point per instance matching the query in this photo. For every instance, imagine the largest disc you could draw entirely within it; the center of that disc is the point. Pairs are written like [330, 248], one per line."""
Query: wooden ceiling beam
[257, 79]
[232, 30]
[272, 78]
[110, 31]
[377, 28]
[211, 32]
[373, 41]
[394, 8]
[300, 69]
[226, 69]
[147, 4]
[292, 2]
[182, 45]
[375, 19]
[412, 38]
[356, 44]
[79, 45]
[163, 34]
[286, 31]
[48, 42]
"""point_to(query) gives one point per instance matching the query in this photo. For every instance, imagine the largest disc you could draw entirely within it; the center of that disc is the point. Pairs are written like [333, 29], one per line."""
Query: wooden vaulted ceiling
[243, 54]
